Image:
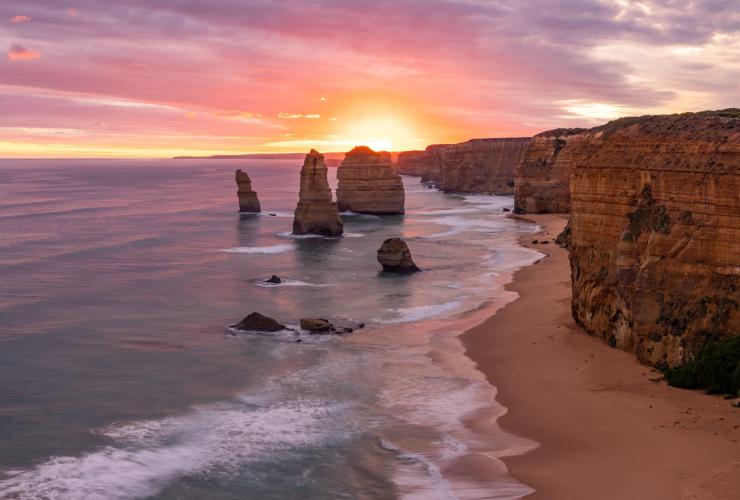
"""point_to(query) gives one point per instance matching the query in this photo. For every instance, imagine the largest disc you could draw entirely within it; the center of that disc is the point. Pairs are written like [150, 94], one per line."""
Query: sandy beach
[607, 427]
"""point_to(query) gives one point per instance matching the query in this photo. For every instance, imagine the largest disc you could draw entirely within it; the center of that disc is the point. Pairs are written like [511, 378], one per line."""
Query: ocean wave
[409, 314]
[268, 250]
[148, 455]
[450, 211]
[288, 234]
[289, 282]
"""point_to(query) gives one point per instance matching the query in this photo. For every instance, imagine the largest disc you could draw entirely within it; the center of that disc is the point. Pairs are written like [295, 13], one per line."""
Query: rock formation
[248, 201]
[542, 181]
[257, 322]
[316, 213]
[655, 233]
[480, 165]
[411, 163]
[316, 325]
[434, 156]
[394, 255]
[367, 183]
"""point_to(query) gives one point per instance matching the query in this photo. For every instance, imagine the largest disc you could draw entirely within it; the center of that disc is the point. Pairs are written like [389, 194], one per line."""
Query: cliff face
[434, 160]
[411, 163]
[655, 242]
[316, 212]
[248, 201]
[482, 165]
[542, 180]
[367, 183]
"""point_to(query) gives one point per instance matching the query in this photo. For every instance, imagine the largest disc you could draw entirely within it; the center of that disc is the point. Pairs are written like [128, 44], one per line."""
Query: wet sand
[606, 430]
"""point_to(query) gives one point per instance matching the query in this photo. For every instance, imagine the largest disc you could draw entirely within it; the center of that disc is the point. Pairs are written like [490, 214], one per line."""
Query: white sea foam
[409, 314]
[213, 440]
[288, 234]
[289, 282]
[451, 211]
[268, 250]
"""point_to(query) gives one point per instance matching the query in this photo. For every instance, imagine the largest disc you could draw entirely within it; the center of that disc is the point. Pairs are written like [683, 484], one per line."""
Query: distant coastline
[260, 156]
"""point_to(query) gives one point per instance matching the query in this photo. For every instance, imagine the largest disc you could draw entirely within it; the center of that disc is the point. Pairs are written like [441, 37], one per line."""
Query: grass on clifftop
[716, 368]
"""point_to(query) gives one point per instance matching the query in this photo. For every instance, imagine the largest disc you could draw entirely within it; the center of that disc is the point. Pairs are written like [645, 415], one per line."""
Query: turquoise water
[119, 377]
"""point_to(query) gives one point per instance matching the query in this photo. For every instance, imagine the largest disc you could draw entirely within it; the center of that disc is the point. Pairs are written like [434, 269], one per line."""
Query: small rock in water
[534, 242]
[275, 280]
[257, 322]
[316, 325]
[394, 255]
[545, 242]
[507, 210]
[272, 215]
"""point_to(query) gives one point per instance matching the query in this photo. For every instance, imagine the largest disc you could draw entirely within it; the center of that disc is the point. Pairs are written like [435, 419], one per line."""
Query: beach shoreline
[607, 427]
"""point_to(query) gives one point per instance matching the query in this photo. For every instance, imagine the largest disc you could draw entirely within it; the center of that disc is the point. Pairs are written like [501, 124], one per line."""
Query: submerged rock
[274, 279]
[257, 322]
[394, 255]
[316, 213]
[248, 201]
[316, 325]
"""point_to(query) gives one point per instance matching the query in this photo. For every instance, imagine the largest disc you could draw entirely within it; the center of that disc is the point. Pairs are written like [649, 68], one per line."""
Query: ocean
[120, 377]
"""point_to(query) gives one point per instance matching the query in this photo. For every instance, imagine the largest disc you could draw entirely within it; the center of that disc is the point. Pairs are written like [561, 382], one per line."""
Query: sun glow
[381, 133]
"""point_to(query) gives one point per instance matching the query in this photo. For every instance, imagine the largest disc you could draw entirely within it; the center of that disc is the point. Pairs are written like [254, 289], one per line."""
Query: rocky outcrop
[248, 201]
[316, 213]
[411, 163]
[257, 322]
[655, 233]
[480, 165]
[542, 181]
[434, 159]
[394, 255]
[367, 183]
[316, 325]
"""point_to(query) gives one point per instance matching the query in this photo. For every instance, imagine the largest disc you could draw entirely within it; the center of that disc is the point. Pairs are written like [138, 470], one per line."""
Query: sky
[157, 78]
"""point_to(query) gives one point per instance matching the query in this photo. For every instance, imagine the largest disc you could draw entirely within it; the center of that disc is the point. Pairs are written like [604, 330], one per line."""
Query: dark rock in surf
[257, 322]
[395, 257]
[316, 325]
[274, 280]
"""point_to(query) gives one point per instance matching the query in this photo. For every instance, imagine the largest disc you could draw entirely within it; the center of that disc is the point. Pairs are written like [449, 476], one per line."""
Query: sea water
[120, 377]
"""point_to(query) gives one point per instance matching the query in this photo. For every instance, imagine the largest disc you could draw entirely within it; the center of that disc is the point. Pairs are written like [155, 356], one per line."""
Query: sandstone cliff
[316, 212]
[248, 201]
[482, 165]
[542, 180]
[434, 159]
[655, 242]
[367, 183]
[411, 163]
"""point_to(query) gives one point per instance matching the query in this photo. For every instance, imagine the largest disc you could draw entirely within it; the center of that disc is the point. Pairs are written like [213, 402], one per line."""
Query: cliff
[542, 179]
[248, 201]
[411, 163]
[367, 183]
[434, 159]
[316, 212]
[481, 165]
[655, 233]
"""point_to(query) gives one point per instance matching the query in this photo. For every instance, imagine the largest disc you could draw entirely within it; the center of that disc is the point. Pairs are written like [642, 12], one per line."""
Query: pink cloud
[20, 19]
[20, 53]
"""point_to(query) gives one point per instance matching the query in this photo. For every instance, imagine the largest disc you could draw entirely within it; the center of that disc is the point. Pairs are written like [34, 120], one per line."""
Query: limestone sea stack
[542, 180]
[394, 255]
[367, 183]
[316, 213]
[248, 201]
[655, 233]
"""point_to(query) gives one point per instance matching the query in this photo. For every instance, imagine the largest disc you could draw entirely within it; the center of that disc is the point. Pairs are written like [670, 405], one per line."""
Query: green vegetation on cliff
[716, 368]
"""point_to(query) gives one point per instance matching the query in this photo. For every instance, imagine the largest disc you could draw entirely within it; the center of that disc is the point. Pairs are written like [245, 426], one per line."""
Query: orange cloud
[20, 53]
[72, 12]
[20, 19]
[293, 116]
